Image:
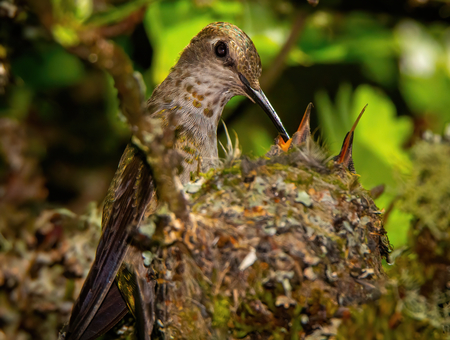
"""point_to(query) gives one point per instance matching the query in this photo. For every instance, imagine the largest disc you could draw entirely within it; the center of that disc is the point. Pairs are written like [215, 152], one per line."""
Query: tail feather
[111, 311]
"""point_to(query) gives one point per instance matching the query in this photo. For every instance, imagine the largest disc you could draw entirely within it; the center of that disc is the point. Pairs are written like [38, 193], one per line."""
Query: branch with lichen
[89, 44]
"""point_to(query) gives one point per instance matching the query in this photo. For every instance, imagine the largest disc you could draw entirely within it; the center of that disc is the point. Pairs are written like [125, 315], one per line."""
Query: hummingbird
[345, 156]
[219, 63]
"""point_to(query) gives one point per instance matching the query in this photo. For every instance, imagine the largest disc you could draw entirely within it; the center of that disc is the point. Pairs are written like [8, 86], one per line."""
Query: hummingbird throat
[196, 100]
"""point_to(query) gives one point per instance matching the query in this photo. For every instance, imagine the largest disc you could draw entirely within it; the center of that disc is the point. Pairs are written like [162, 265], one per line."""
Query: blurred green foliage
[343, 58]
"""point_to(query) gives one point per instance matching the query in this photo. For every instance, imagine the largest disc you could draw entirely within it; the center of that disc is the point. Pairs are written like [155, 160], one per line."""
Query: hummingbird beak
[345, 157]
[260, 98]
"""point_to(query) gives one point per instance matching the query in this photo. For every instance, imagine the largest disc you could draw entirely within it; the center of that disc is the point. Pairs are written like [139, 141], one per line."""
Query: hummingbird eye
[221, 49]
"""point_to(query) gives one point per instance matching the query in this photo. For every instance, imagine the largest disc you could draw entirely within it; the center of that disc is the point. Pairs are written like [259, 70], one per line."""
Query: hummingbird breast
[196, 100]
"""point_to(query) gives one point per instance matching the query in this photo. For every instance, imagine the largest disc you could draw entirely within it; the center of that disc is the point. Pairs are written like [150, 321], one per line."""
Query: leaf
[117, 13]
[83, 9]
[65, 35]
[380, 130]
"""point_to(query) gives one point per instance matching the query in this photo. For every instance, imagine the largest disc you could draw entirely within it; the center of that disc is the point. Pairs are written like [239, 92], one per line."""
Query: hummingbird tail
[112, 310]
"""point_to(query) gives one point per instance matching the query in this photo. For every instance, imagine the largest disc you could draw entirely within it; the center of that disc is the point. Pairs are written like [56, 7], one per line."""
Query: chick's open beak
[260, 98]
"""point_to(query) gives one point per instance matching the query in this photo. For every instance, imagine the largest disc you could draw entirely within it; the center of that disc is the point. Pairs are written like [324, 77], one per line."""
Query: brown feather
[132, 189]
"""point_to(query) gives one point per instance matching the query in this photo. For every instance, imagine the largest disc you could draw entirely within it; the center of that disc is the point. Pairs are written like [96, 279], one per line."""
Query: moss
[221, 315]
[303, 259]
[386, 319]
[426, 194]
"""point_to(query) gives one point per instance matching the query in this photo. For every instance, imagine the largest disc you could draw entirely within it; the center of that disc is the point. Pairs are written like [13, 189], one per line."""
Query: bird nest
[275, 248]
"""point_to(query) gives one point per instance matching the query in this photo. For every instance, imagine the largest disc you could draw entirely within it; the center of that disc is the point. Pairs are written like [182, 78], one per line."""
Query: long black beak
[260, 98]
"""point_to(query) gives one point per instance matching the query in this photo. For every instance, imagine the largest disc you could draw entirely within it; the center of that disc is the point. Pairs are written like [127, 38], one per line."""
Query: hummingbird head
[226, 60]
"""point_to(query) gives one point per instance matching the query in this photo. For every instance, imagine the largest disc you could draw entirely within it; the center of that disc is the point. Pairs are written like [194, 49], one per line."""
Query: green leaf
[380, 130]
[65, 35]
[83, 9]
[335, 121]
[71, 13]
[116, 14]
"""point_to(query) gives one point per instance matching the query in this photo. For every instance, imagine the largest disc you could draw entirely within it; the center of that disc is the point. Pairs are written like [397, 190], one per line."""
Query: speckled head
[240, 51]
[224, 56]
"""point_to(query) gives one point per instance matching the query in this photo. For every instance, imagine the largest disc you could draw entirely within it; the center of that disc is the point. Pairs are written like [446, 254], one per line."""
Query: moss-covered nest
[277, 247]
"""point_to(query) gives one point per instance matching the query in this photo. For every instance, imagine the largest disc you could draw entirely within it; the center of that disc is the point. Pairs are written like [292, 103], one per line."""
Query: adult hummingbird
[219, 63]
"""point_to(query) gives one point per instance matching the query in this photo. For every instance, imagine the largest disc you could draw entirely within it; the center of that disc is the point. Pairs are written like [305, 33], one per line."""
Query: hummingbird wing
[138, 289]
[128, 197]
[111, 311]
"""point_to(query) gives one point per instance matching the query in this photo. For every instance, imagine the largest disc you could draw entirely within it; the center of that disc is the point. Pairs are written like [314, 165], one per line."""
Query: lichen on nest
[276, 249]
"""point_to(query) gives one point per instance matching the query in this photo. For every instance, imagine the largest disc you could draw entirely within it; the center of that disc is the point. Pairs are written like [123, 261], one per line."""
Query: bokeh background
[60, 114]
